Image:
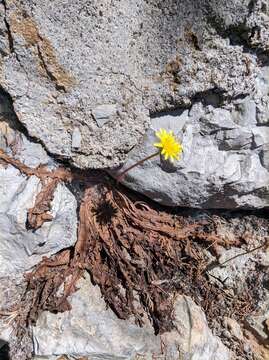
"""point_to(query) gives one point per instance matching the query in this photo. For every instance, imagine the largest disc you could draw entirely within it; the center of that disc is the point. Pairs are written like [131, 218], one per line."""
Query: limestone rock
[14, 142]
[20, 248]
[71, 65]
[89, 329]
[234, 328]
[87, 80]
[224, 163]
[259, 322]
[92, 331]
[193, 339]
[17, 196]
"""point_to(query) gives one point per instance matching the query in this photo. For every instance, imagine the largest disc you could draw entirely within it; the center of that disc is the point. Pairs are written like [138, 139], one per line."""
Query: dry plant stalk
[138, 255]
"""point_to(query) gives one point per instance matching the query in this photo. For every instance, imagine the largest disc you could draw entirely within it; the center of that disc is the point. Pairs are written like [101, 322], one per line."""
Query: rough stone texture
[86, 80]
[18, 194]
[260, 322]
[14, 142]
[225, 159]
[11, 290]
[21, 249]
[235, 272]
[93, 331]
[236, 268]
[192, 338]
[102, 67]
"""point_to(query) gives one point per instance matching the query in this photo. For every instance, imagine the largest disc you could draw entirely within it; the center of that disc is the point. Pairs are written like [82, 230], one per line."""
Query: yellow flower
[168, 145]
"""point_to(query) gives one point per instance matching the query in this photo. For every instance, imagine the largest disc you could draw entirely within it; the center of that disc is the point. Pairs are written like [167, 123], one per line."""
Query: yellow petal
[169, 146]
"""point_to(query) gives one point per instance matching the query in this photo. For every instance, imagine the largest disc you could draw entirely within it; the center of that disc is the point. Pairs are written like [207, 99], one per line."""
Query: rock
[76, 139]
[104, 113]
[57, 82]
[261, 97]
[236, 264]
[244, 112]
[261, 136]
[69, 67]
[234, 328]
[90, 82]
[258, 322]
[4, 43]
[92, 331]
[12, 288]
[264, 155]
[88, 89]
[219, 166]
[14, 142]
[17, 196]
[21, 248]
[193, 339]
[234, 272]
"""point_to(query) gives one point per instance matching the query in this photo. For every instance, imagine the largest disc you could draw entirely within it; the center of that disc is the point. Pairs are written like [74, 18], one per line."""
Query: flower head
[170, 148]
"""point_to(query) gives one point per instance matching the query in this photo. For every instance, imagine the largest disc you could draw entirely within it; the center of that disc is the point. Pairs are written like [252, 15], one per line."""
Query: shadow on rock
[4, 350]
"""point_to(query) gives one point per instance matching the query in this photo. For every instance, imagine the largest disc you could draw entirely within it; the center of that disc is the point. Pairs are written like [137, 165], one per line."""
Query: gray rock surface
[93, 331]
[102, 67]
[91, 82]
[21, 249]
[18, 194]
[260, 322]
[87, 80]
[13, 140]
[225, 158]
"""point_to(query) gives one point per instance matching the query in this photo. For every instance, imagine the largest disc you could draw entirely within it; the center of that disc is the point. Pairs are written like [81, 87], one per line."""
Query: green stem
[121, 175]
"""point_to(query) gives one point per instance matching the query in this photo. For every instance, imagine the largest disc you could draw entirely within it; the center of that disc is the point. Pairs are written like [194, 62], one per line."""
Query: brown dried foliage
[49, 180]
[138, 255]
[38, 214]
[61, 174]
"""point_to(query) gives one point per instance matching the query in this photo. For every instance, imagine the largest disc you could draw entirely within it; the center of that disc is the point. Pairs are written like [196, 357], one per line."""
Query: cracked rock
[17, 196]
[20, 247]
[92, 331]
[224, 162]
[219, 167]
[89, 88]
[67, 66]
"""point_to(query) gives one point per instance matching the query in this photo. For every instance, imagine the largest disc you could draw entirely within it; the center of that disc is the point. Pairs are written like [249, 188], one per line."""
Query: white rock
[90, 329]
[193, 339]
[135, 55]
[93, 331]
[76, 139]
[221, 165]
[20, 249]
[104, 113]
